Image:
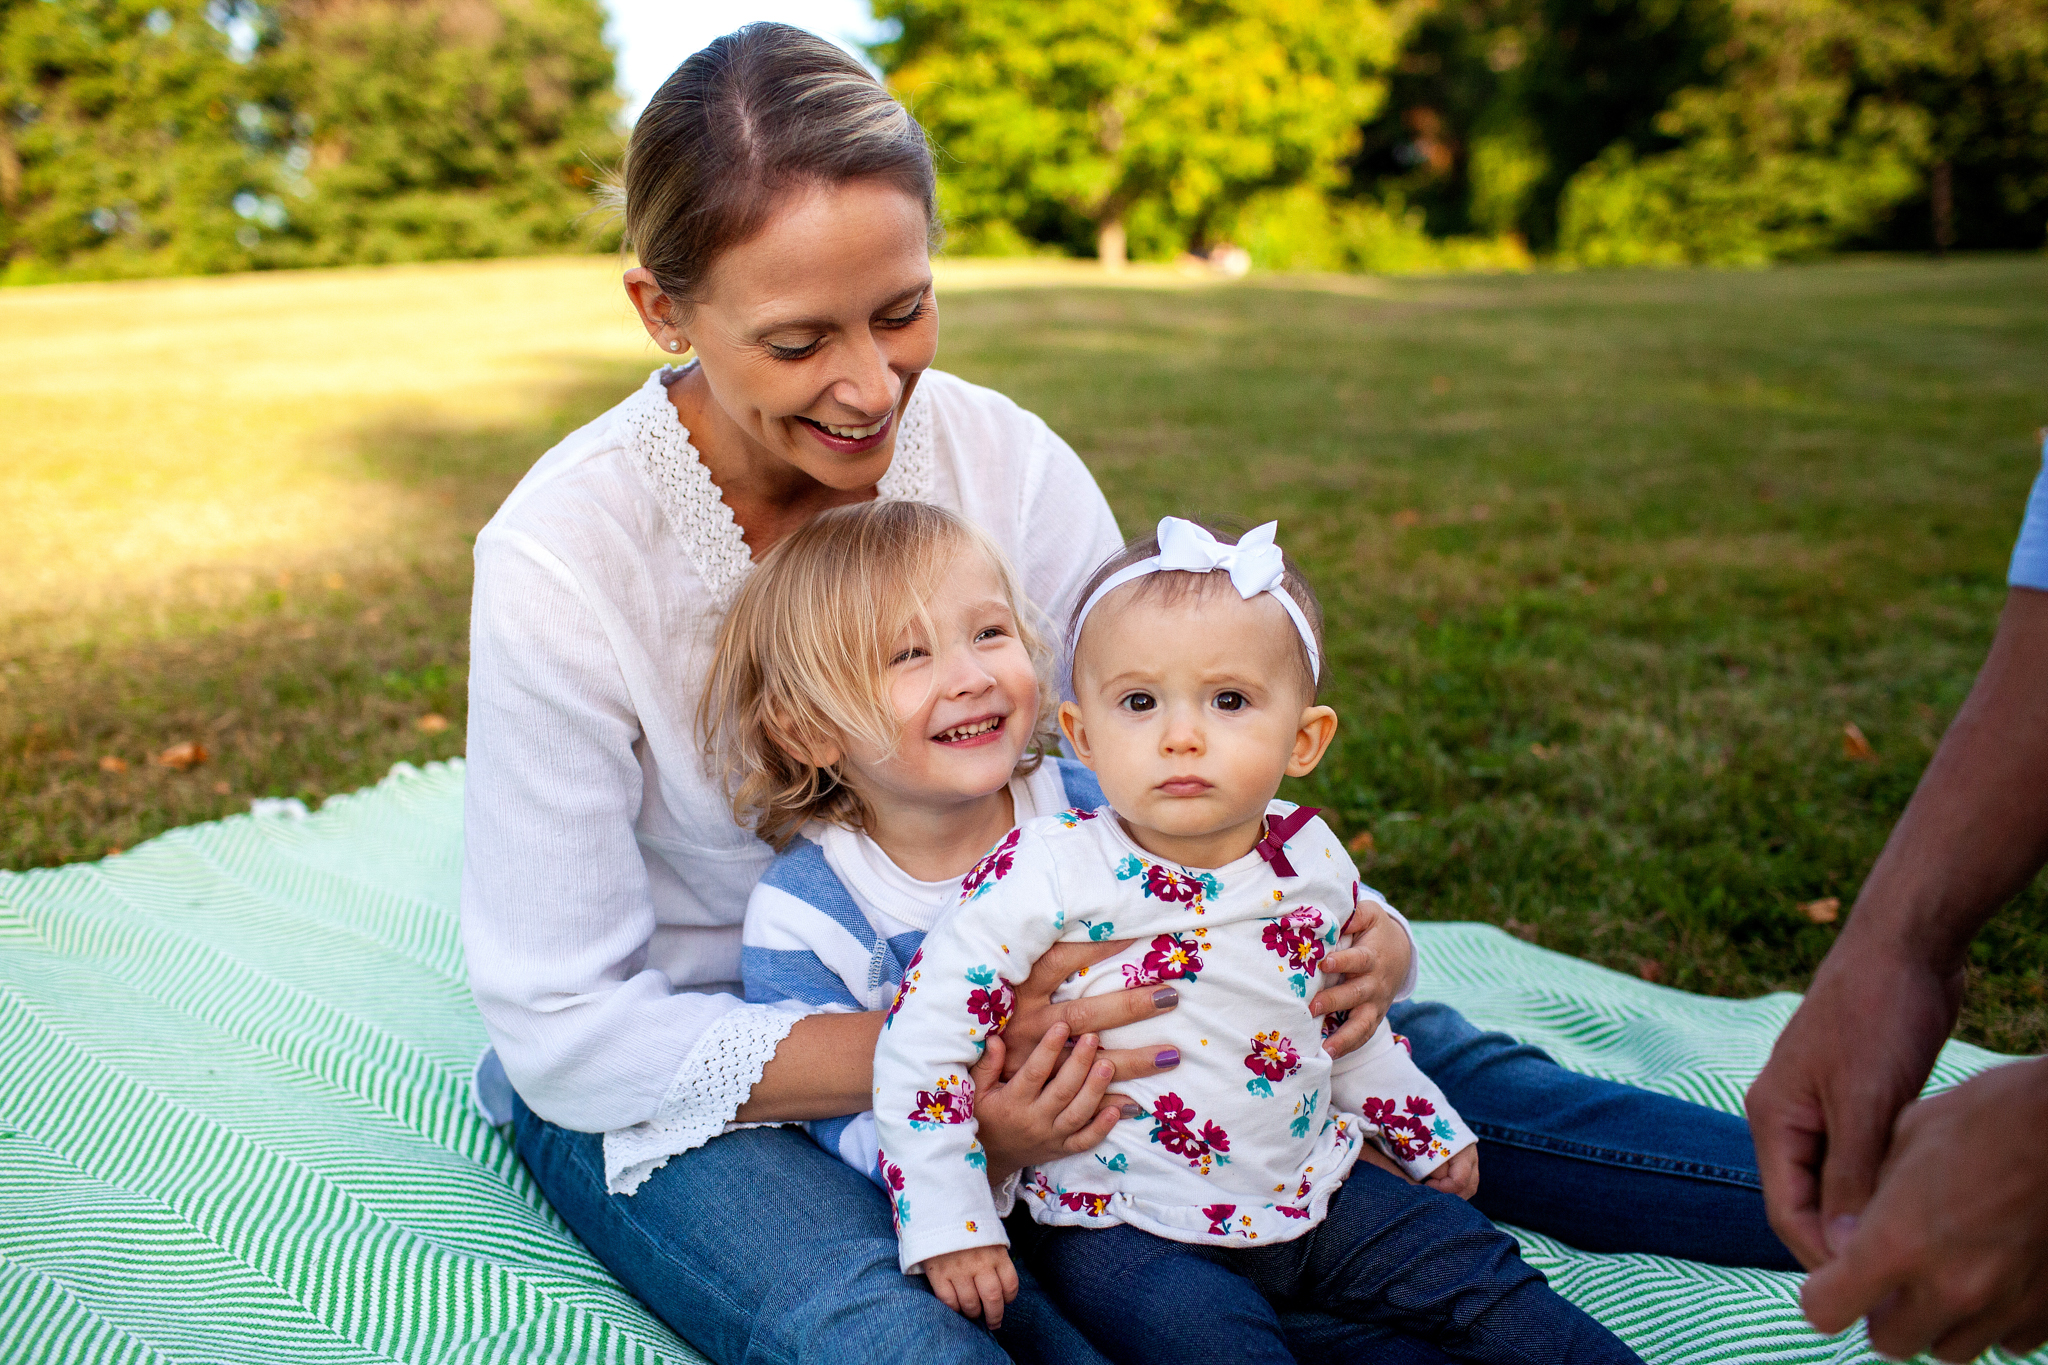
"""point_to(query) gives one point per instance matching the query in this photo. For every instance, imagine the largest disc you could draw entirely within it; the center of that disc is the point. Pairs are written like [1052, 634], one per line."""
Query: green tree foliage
[1721, 130]
[186, 136]
[1150, 123]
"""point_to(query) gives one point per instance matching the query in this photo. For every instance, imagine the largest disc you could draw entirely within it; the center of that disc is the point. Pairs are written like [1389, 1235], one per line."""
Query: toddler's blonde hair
[802, 658]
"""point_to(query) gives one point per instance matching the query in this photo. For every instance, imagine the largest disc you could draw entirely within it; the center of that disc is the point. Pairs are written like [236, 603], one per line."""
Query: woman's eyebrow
[799, 324]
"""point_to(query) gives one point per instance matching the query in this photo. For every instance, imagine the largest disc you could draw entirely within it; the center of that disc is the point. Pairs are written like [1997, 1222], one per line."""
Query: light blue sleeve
[2030, 556]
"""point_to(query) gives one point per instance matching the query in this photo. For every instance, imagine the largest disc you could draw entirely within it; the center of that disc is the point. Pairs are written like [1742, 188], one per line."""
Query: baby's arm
[958, 992]
[795, 957]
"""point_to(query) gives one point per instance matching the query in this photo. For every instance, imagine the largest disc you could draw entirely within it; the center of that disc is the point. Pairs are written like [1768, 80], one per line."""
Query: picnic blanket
[235, 1122]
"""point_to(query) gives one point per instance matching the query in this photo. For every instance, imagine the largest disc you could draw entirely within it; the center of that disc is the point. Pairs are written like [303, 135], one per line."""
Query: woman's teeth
[854, 433]
[979, 727]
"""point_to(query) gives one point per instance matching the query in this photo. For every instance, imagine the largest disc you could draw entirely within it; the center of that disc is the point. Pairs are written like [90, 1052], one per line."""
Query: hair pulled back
[763, 110]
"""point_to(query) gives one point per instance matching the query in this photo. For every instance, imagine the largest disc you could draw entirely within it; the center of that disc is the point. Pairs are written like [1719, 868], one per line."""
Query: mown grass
[1610, 560]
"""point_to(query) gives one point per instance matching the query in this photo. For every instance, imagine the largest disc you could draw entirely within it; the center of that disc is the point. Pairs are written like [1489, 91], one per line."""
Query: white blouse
[604, 879]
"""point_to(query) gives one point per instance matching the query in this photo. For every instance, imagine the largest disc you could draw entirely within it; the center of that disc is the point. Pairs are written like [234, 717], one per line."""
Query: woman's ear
[1311, 740]
[661, 315]
[1075, 731]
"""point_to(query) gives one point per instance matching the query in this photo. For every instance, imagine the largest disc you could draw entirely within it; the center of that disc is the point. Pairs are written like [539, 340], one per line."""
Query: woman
[782, 206]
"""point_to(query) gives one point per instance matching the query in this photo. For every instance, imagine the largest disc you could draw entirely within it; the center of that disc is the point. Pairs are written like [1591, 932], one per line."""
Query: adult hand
[1854, 1054]
[1951, 1253]
[1036, 1014]
[1372, 970]
[1053, 1106]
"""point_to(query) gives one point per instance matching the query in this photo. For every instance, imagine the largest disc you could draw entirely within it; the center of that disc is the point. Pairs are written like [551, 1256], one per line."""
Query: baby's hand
[976, 1282]
[1459, 1175]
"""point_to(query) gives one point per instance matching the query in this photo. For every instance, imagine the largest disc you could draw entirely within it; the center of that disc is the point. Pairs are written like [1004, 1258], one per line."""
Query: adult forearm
[823, 1069]
[1976, 830]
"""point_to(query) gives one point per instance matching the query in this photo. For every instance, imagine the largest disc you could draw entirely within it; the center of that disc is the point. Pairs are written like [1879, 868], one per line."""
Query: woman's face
[811, 334]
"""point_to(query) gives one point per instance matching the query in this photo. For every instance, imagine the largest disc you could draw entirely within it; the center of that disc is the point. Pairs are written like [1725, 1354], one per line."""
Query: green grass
[1610, 561]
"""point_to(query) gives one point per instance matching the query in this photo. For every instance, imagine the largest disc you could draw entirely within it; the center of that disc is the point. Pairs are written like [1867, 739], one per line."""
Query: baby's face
[1190, 712]
[965, 694]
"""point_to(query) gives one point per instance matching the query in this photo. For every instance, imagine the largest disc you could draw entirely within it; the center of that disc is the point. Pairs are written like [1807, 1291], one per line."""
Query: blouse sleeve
[2029, 568]
[1068, 528]
[556, 906]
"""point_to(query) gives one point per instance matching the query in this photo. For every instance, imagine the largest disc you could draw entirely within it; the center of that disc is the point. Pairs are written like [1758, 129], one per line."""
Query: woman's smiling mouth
[850, 439]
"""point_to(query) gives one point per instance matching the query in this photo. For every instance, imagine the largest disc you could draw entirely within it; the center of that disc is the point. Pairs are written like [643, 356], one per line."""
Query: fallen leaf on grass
[1525, 932]
[1544, 751]
[1650, 969]
[1361, 842]
[113, 763]
[432, 723]
[372, 616]
[1855, 747]
[221, 789]
[113, 850]
[1407, 517]
[1480, 511]
[1439, 383]
[1826, 910]
[1658, 587]
[64, 756]
[183, 756]
[305, 632]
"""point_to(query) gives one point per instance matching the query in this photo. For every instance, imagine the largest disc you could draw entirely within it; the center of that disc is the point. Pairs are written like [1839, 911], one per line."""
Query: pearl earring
[675, 345]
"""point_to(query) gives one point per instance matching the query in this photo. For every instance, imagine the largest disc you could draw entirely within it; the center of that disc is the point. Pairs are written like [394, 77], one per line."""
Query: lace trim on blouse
[710, 1086]
[692, 505]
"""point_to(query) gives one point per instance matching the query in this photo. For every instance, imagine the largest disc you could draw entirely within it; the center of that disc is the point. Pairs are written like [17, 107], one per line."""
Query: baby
[1195, 670]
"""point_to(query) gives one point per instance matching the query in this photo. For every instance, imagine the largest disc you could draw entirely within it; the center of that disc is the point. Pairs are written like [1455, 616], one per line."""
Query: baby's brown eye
[1139, 701]
[1230, 701]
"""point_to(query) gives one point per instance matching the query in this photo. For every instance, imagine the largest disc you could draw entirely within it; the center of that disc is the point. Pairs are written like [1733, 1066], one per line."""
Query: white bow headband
[1254, 564]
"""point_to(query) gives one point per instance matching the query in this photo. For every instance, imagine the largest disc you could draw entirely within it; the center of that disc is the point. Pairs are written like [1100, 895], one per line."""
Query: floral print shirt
[1245, 1141]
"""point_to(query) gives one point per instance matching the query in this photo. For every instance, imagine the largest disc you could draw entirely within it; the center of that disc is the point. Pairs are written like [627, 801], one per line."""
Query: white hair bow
[1255, 565]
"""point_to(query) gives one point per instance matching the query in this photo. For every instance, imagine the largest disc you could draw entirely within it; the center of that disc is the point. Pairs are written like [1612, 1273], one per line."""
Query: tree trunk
[1109, 243]
[1942, 194]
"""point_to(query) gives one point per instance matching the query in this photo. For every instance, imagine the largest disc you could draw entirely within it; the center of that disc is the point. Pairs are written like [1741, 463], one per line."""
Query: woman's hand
[1051, 1108]
[1372, 968]
[1036, 1015]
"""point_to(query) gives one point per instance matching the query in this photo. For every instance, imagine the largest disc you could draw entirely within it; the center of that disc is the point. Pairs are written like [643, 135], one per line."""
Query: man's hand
[1855, 1053]
[1372, 967]
[1951, 1253]
[1459, 1175]
[976, 1282]
[1036, 1013]
[1054, 1105]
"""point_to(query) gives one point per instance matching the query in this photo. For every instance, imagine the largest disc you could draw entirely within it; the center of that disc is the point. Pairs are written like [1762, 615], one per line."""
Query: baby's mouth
[973, 729]
[1185, 786]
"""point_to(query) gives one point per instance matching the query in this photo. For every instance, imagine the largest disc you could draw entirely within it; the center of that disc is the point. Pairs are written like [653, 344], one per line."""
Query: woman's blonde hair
[802, 658]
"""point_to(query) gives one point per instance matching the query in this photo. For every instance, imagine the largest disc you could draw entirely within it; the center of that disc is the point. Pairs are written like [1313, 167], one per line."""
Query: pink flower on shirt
[992, 1001]
[1219, 1218]
[1173, 1128]
[991, 869]
[1172, 957]
[1272, 1057]
[1296, 937]
[950, 1101]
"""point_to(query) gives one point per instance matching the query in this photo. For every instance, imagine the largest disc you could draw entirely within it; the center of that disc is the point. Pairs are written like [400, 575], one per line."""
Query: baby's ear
[1311, 740]
[1076, 733]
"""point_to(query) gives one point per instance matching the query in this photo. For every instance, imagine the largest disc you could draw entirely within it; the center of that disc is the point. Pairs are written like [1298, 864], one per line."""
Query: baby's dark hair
[1173, 584]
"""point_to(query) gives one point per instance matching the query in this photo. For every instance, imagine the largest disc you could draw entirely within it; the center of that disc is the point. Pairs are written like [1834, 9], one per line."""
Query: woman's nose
[865, 382]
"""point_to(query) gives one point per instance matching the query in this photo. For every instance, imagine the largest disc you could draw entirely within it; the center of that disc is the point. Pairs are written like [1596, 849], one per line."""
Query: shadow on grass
[298, 678]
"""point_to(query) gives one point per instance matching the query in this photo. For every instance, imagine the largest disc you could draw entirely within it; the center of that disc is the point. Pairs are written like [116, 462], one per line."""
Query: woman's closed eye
[803, 352]
[917, 311]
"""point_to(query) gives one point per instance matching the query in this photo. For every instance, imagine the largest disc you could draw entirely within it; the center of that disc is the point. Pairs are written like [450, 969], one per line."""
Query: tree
[1143, 124]
[188, 136]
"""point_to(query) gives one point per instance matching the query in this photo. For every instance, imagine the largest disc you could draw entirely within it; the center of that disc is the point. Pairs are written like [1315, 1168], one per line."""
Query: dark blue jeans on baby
[1391, 1255]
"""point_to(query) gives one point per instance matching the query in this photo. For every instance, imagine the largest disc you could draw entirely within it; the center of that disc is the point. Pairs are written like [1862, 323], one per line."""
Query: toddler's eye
[905, 656]
[1139, 701]
[992, 633]
[1231, 701]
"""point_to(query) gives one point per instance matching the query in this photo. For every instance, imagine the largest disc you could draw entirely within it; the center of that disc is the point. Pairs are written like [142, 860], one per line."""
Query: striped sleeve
[805, 942]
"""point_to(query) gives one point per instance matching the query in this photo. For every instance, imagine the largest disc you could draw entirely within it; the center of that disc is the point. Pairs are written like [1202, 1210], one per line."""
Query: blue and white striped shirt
[833, 923]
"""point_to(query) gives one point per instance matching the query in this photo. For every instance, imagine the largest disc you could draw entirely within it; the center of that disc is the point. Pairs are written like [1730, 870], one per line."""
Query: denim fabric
[1602, 1166]
[1390, 1255]
[762, 1247]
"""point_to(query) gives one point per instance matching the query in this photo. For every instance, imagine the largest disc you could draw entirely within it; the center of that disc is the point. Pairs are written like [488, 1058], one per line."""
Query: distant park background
[142, 137]
[1651, 591]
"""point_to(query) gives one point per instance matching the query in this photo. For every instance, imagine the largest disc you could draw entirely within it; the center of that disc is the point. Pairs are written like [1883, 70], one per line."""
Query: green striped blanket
[235, 1121]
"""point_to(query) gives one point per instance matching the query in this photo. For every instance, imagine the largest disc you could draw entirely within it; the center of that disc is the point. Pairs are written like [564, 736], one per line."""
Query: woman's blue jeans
[761, 1246]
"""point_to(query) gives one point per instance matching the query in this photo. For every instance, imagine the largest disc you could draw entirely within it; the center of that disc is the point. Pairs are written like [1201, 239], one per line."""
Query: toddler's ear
[1075, 731]
[819, 751]
[1311, 740]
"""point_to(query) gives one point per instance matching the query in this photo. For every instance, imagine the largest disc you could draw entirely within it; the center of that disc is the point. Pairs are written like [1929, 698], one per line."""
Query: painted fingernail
[1167, 1059]
[1131, 1111]
[1165, 998]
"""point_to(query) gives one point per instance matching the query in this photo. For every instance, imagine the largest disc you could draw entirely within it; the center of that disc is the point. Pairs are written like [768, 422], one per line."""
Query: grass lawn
[1611, 560]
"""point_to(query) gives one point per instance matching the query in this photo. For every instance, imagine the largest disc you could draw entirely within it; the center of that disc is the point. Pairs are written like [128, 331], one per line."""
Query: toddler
[884, 758]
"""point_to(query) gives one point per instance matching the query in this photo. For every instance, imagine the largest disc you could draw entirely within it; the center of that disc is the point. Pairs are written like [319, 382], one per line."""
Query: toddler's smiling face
[1191, 707]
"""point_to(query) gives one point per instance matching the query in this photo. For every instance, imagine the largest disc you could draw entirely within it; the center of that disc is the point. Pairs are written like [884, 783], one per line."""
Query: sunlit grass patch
[1610, 560]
